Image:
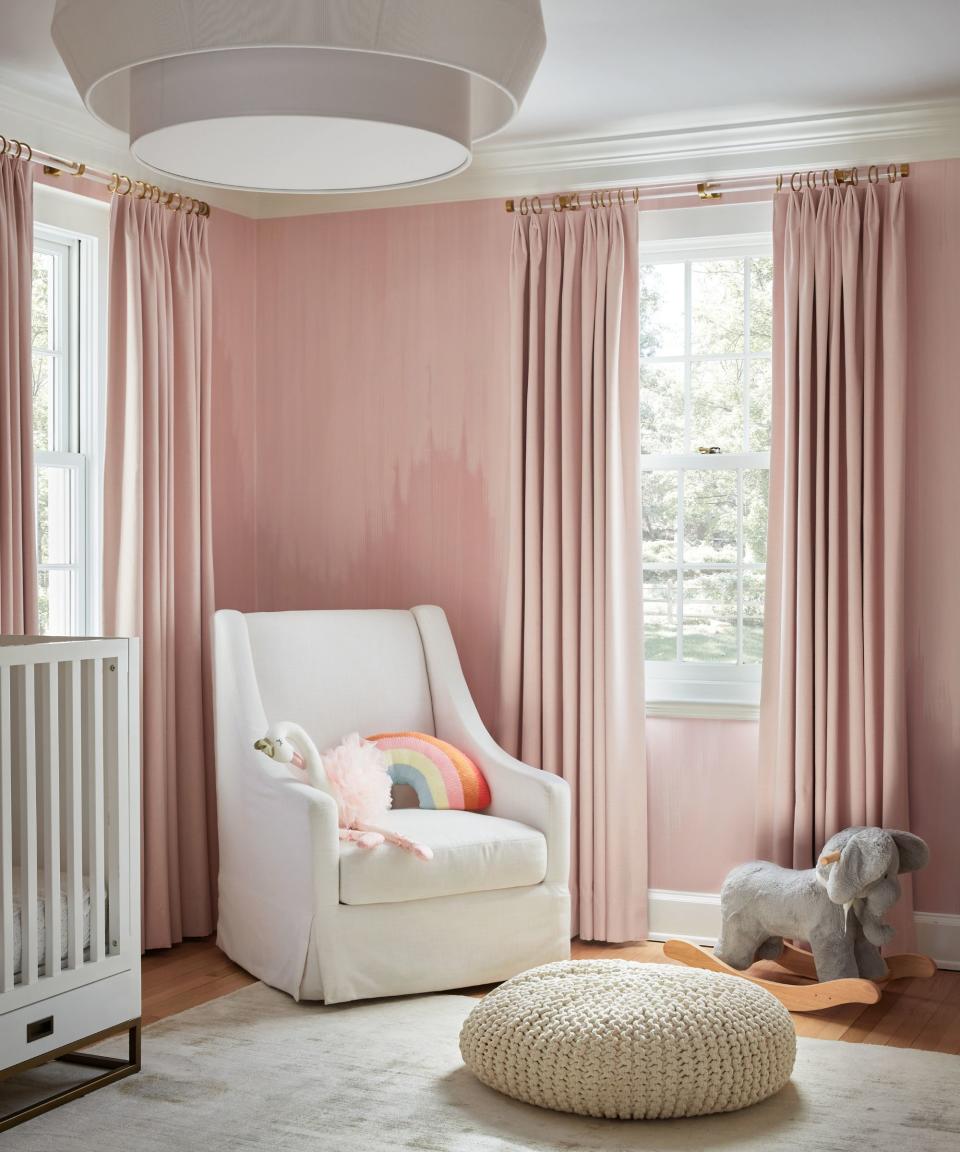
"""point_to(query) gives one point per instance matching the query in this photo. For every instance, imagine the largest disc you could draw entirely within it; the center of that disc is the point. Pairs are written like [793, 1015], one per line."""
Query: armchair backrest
[332, 672]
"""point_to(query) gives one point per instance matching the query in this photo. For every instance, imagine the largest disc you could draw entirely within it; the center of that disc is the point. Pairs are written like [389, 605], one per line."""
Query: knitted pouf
[631, 1041]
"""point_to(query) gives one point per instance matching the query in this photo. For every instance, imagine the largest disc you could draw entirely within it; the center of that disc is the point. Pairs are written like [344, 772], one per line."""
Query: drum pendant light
[302, 95]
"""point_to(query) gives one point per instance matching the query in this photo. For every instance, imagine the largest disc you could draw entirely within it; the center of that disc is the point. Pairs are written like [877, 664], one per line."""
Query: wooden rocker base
[813, 997]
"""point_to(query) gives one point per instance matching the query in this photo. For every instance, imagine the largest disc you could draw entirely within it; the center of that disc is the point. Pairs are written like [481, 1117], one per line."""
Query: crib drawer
[60, 1020]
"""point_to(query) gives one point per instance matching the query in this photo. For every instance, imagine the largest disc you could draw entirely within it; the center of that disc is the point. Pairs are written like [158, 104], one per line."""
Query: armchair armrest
[278, 837]
[519, 792]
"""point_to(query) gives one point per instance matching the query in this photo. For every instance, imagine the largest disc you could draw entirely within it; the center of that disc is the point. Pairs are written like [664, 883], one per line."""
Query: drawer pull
[40, 1029]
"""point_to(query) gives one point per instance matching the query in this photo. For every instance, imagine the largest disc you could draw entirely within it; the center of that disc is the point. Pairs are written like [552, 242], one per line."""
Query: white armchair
[326, 920]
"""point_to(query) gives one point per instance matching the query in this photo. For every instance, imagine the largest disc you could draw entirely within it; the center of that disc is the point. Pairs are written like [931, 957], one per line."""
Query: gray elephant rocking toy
[837, 907]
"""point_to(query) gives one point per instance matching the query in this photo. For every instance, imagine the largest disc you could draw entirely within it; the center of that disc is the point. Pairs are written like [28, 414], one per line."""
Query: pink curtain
[158, 562]
[833, 714]
[18, 543]
[572, 685]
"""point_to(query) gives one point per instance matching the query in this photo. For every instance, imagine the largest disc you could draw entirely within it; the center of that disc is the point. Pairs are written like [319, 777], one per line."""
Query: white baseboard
[695, 916]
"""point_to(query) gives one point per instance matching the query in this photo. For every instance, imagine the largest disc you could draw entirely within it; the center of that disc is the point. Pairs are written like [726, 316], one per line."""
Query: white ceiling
[621, 71]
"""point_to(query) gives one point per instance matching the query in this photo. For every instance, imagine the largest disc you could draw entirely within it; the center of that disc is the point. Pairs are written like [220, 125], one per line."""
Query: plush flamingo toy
[354, 774]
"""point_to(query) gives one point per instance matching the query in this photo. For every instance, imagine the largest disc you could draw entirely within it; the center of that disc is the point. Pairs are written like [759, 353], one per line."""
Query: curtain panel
[833, 714]
[572, 676]
[158, 560]
[18, 540]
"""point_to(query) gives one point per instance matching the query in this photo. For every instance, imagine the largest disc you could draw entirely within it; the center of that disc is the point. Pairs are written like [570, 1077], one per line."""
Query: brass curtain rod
[706, 190]
[117, 184]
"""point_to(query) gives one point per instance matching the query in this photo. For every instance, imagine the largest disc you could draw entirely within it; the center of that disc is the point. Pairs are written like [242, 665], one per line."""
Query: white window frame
[674, 688]
[77, 228]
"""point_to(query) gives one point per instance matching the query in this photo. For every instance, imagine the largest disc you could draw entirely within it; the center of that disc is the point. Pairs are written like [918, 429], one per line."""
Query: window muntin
[705, 337]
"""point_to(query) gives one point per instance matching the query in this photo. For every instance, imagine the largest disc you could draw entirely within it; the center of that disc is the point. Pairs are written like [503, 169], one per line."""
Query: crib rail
[69, 837]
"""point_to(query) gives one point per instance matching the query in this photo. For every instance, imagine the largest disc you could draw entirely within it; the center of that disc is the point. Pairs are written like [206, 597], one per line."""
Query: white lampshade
[302, 95]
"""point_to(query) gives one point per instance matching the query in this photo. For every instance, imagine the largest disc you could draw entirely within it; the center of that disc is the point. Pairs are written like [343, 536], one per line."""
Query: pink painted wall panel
[701, 778]
[233, 247]
[933, 526]
[382, 417]
[380, 480]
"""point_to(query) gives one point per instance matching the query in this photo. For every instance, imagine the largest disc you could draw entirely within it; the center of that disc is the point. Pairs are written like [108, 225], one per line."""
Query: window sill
[702, 710]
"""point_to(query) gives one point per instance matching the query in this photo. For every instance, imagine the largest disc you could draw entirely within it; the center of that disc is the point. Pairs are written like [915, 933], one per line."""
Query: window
[705, 345]
[66, 358]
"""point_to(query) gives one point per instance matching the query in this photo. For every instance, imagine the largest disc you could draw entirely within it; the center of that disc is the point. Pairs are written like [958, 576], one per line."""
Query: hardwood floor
[911, 1014]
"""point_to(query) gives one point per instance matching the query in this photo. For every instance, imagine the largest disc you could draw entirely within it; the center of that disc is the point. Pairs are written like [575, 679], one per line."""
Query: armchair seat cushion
[471, 853]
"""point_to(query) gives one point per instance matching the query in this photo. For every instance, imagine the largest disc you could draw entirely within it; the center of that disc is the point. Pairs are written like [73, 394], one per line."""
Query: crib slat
[28, 834]
[73, 814]
[51, 821]
[93, 788]
[6, 836]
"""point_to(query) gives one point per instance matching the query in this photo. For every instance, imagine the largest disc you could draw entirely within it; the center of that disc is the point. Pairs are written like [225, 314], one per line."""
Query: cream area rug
[257, 1071]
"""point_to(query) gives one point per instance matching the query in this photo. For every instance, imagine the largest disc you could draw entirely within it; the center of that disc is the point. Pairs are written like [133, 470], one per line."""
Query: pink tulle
[358, 774]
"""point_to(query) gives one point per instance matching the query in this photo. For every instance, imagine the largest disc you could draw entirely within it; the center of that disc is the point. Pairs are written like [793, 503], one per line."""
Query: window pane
[761, 402]
[755, 494]
[57, 593]
[710, 617]
[761, 303]
[662, 310]
[43, 265]
[660, 615]
[661, 408]
[56, 512]
[753, 585]
[717, 306]
[716, 417]
[42, 401]
[710, 517]
[659, 517]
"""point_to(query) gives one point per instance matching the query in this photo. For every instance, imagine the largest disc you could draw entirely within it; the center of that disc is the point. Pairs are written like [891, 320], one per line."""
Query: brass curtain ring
[29, 152]
[620, 199]
[593, 200]
[575, 202]
[19, 151]
[811, 180]
[825, 178]
[636, 195]
[873, 176]
[892, 173]
[536, 206]
[3, 145]
[794, 186]
[129, 188]
[170, 204]
[779, 181]
[141, 189]
[557, 202]
[114, 182]
[188, 207]
[854, 176]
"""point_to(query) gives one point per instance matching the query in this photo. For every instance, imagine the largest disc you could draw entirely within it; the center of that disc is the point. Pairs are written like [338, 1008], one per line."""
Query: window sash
[685, 685]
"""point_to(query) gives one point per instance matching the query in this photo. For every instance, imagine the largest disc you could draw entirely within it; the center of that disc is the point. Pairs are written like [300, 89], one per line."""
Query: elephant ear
[914, 852]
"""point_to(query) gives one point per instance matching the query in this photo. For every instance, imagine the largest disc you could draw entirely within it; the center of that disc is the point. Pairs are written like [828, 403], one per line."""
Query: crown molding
[928, 131]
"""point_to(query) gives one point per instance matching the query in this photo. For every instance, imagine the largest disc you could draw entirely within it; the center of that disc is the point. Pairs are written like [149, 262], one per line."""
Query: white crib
[69, 856]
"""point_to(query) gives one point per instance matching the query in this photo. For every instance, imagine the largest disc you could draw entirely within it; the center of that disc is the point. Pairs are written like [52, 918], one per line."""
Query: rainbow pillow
[442, 776]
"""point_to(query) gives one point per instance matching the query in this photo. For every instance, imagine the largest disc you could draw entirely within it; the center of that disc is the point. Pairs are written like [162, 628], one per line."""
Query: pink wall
[233, 258]
[363, 465]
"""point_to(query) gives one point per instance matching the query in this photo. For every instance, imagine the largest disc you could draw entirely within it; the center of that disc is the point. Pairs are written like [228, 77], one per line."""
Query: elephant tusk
[830, 858]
